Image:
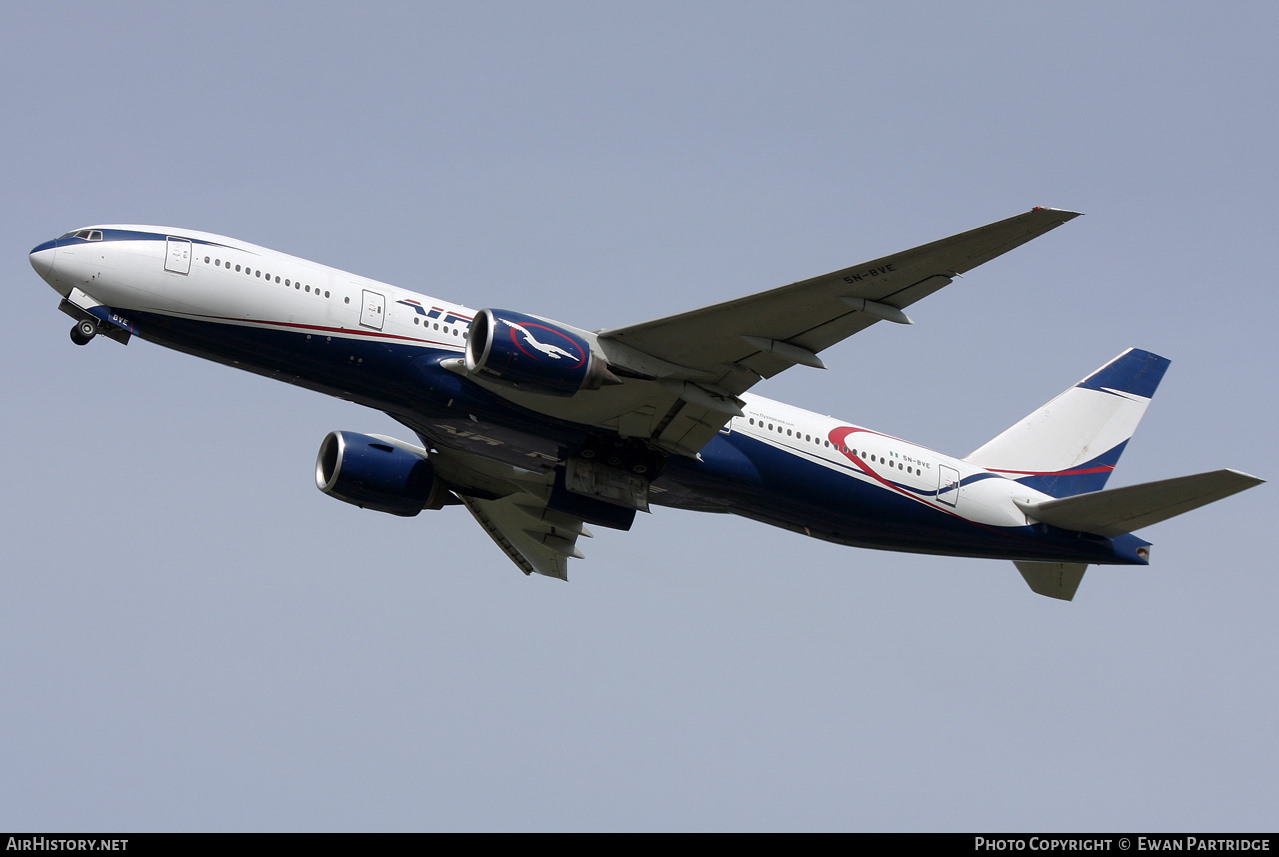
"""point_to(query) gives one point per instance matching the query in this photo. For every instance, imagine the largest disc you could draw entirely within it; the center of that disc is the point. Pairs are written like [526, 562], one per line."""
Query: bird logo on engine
[552, 351]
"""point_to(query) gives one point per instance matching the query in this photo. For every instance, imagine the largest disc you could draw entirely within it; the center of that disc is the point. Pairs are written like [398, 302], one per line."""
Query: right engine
[370, 473]
[533, 355]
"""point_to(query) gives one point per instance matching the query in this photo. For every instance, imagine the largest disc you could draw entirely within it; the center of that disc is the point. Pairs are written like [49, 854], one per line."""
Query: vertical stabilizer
[1071, 445]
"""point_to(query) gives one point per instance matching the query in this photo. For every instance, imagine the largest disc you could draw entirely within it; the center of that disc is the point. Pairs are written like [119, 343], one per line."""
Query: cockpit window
[86, 234]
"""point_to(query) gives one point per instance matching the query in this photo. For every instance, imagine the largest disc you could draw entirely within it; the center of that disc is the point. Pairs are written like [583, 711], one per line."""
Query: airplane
[539, 428]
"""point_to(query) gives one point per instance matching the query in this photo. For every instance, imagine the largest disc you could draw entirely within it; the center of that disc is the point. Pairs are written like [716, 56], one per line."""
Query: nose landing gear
[89, 325]
[83, 331]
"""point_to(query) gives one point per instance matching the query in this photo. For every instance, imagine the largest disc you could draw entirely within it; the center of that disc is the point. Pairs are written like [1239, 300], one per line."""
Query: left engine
[533, 355]
[370, 473]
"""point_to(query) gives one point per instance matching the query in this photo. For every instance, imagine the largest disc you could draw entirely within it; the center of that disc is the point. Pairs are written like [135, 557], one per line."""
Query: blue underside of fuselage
[787, 489]
[737, 473]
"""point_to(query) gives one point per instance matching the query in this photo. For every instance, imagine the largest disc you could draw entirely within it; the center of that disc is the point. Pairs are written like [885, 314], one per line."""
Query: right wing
[679, 378]
[715, 353]
[730, 340]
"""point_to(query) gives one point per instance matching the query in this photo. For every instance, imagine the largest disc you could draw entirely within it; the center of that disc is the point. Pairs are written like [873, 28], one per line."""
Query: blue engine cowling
[373, 474]
[533, 355]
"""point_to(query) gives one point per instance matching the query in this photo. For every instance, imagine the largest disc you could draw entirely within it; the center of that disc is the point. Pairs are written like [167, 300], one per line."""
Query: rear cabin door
[947, 485]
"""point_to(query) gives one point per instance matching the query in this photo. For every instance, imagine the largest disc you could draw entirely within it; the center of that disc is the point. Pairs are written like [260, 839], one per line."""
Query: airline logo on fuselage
[437, 313]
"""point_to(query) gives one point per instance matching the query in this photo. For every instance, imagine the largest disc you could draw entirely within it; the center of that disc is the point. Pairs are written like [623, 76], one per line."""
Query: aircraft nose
[42, 258]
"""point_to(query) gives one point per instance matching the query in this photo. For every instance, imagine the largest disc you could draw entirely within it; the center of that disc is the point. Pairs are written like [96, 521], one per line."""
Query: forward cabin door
[177, 255]
[373, 310]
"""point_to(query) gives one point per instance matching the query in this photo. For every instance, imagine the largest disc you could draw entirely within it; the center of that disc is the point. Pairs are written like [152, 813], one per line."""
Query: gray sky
[193, 638]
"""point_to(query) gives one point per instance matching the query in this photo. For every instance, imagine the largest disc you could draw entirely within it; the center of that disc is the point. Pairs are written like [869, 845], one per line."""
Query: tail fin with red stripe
[1071, 445]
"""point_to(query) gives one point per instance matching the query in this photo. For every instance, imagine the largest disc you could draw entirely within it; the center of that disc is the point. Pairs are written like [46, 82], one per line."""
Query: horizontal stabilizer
[1122, 510]
[1054, 579]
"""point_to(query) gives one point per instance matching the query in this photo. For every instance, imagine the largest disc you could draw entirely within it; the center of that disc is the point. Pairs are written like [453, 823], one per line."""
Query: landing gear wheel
[645, 463]
[641, 460]
[83, 332]
[630, 455]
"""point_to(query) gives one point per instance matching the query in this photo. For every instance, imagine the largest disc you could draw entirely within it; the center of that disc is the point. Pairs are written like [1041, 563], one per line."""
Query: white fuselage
[206, 293]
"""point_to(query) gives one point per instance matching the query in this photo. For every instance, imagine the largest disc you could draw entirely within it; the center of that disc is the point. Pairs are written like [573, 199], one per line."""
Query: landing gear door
[373, 310]
[177, 255]
[947, 485]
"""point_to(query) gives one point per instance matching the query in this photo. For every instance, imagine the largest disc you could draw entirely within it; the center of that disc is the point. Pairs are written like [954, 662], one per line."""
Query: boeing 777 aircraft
[540, 428]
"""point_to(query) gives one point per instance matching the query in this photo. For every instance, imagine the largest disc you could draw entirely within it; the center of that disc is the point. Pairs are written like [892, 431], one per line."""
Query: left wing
[536, 538]
[511, 505]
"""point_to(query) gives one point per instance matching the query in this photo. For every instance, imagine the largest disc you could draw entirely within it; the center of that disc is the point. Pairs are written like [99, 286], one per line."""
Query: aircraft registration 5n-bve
[540, 428]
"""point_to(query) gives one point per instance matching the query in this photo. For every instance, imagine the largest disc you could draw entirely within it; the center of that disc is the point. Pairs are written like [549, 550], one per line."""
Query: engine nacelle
[529, 354]
[373, 474]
